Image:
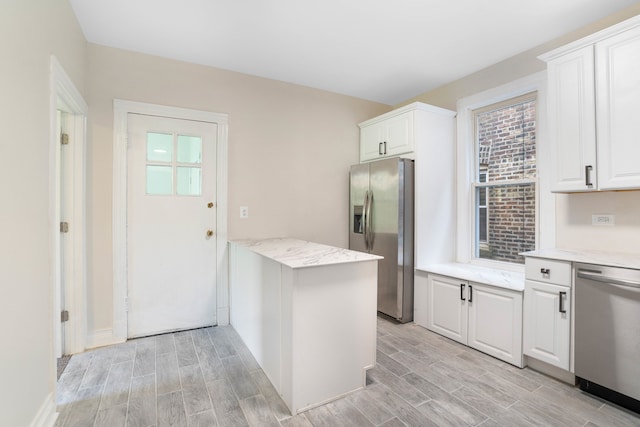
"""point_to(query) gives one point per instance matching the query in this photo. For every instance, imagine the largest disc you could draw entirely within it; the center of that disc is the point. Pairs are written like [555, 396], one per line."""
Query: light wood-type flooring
[207, 377]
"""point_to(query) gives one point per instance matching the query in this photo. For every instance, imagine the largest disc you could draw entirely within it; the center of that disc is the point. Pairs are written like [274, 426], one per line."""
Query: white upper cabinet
[618, 110]
[593, 102]
[398, 132]
[572, 120]
[390, 137]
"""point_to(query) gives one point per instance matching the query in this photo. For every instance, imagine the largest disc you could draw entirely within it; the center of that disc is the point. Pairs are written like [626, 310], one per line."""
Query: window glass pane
[506, 143]
[189, 181]
[189, 149]
[510, 226]
[159, 147]
[159, 180]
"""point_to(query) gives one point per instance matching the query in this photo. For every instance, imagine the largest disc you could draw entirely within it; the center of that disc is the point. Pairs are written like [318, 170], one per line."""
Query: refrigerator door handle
[369, 229]
[365, 220]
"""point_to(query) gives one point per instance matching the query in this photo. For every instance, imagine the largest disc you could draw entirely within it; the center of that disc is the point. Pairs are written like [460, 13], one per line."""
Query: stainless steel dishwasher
[607, 333]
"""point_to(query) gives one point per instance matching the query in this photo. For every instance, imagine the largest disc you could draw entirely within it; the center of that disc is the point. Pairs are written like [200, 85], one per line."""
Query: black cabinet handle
[561, 308]
[385, 147]
[462, 291]
[587, 175]
[380, 148]
[470, 293]
[545, 271]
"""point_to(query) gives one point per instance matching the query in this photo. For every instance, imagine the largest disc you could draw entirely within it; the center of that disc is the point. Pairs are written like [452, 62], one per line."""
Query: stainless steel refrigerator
[381, 222]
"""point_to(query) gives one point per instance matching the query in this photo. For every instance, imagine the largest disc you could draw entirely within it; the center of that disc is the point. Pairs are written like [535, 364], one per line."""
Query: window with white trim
[505, 178]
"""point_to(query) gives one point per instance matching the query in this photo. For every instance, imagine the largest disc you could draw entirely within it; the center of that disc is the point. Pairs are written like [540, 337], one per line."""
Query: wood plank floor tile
[257, 411]
[203, 419]
[171, 412]
[165, 344]
[116, 390]
[145, 359]
[114, 416]
[167, 373]
[84, 410]
[221, 341]
[142, 402]
[196, 396]
[185, 350]
[242, 384]
[225, 404]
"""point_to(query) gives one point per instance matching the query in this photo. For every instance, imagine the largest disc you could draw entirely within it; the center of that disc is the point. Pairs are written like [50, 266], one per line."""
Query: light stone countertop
[295, 253]
[611, 259]
[511, 280]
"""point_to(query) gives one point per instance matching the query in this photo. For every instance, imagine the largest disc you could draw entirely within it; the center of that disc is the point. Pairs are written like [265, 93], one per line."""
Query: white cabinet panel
[547, 322]
[447, 307]
[371, 138]
[399, 137]
[572, 121]
[495, 322]
[388, 137]
[618, 94]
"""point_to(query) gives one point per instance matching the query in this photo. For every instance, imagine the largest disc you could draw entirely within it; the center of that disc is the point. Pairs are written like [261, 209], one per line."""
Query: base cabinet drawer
[547, 323]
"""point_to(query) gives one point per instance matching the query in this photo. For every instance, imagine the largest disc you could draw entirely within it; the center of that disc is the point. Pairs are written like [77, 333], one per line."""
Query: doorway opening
[68, 112]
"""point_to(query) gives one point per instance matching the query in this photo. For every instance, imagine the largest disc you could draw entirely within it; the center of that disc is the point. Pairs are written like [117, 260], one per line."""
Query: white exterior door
[171, 217]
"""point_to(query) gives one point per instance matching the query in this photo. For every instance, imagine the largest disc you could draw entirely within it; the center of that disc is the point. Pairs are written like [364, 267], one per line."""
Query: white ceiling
[381, 50]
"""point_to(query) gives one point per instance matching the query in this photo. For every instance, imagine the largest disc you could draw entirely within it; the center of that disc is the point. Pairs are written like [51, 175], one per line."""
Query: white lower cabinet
[547, 312]
[484, 317]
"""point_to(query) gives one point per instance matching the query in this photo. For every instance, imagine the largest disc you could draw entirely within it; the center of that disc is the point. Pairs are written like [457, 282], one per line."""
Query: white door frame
[121, 109]
[65, 97]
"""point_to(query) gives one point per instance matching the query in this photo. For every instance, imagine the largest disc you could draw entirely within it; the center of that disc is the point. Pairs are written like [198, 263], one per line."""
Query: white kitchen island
[307, 312]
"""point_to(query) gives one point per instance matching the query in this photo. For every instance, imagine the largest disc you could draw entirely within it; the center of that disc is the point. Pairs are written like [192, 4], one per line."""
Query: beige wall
[30, 31]
[290, 148]
[573, 212]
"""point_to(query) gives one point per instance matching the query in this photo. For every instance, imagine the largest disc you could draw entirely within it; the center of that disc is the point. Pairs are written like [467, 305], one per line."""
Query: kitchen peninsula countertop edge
[296, 253]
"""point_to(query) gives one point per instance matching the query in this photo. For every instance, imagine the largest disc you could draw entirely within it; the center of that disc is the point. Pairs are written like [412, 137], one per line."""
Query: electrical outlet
[603, 219]
[244, 212]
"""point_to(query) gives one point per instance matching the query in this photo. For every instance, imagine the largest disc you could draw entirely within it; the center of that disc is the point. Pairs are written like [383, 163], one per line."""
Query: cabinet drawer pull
[470, 293]
[385, 147]
[380, 149]
[561, 308]
[587, 175]
[545, 271]
[462, 292]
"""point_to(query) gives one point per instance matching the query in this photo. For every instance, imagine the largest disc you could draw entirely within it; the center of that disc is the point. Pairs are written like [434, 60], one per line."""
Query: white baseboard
[47, 415]
[222, 316]
[101, 338]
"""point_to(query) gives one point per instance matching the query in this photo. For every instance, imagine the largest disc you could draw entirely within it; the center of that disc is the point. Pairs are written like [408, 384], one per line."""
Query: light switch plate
[603, 219]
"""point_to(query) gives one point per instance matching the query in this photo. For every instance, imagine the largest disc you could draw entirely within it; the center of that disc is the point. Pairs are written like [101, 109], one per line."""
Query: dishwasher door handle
[606, 279]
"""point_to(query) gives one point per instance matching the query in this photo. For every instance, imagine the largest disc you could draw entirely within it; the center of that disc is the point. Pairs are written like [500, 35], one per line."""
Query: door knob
[210, 205]
[209, 233]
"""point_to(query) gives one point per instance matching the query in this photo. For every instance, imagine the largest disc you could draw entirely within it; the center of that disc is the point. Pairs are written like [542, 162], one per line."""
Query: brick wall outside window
[507, 152]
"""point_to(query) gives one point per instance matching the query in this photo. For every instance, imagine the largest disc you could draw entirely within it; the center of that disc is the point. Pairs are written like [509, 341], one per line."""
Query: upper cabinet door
[618, 110]
[399, 138]
[572, 122]
[371, 138]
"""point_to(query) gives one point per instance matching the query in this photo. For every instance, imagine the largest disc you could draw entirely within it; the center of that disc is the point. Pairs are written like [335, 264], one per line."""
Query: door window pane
[159, 147]
[159, 180]
[189, 149]
[189, 181]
